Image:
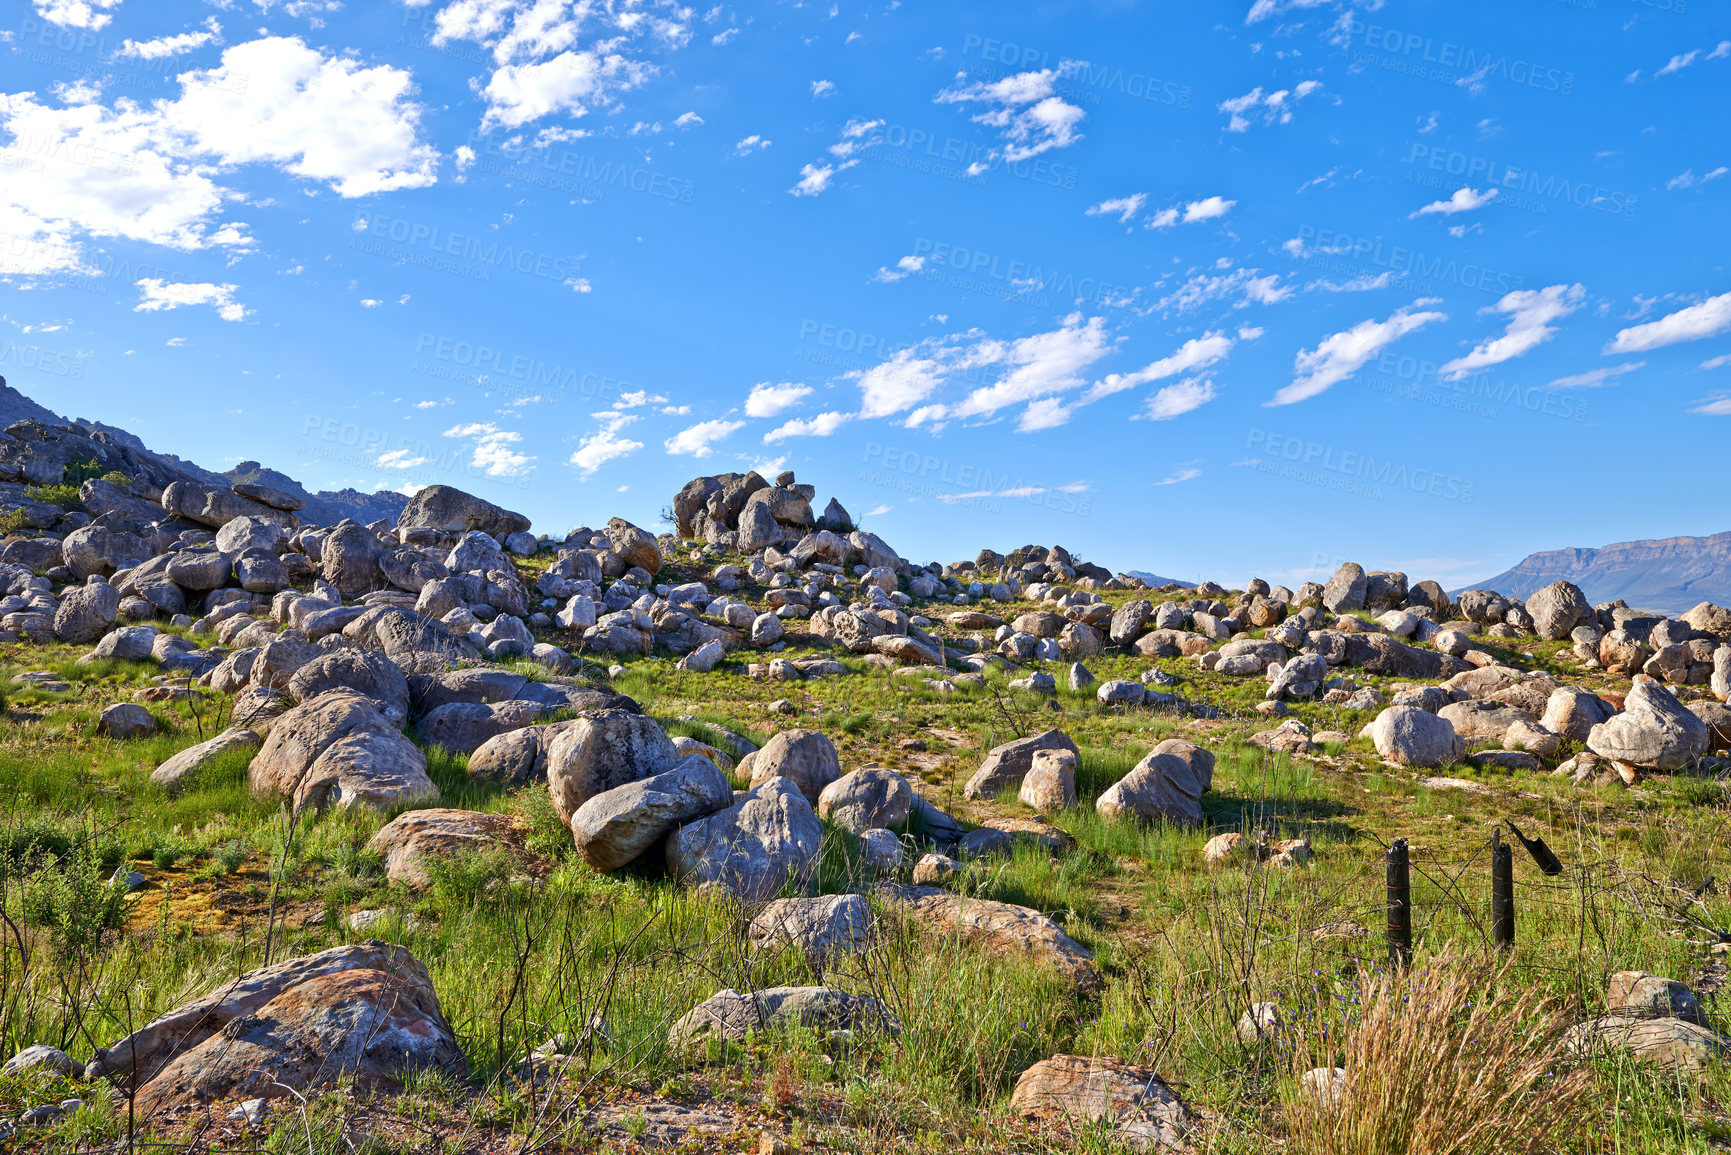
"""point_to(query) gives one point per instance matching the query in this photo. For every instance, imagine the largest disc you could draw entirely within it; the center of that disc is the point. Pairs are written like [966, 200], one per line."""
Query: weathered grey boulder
[807, 758]
[447, 510]
[411, 841]
[1572, 712]
[362, 1015]
[1167, 784]
[243, 533]
[865, 799]
[351, 559]
[1483, 720]
[1000, 928]
[1654, 731]
[1050, 783]
[1410, 736]
[766, 841]
[173, 773]
[1131, 1104]
[636, 546]
[1557, 609]
[618, 825]
[85, 612]
[604, 750]
[367, 672]
[1345, 591]
[733, 1015]
[339, 750]
[831, 924]
[126, 720]
[1006, 765]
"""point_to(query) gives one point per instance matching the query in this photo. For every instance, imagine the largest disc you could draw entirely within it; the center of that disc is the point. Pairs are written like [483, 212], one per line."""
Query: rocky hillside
[1665, 575]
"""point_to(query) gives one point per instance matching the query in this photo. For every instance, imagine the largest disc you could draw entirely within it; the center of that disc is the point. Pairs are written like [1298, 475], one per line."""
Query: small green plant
[73, 900]
[65, 496]
[13, 521]
[231, 856]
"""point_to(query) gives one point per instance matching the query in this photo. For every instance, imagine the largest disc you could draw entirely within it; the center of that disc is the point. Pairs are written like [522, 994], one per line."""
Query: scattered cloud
[606, 444]
[1189, 471]
[767, 400]
[698, 440]
[822, 425]
[166, 46]
[1679, 63]
[1273, 108]
[1124, 208]
[1340, 355]
[1688, 179]
[1464, 200]
[687, 120]
[1718, 362]
[492, 449]
[1593, 378]
[91, 14]
[158, 295]
[1024, 108]
[1179, 399]
[906, 267]
[1196, 353]
[822, 88]
[1707, 319]
[751, 144]
[1716, 404]
[1530, 313]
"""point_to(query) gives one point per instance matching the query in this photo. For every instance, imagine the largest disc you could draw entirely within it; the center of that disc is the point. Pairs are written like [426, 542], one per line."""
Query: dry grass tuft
[1456, 1056]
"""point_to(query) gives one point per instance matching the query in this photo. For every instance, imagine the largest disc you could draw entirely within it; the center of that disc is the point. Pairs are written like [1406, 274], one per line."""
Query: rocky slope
[1666, 575]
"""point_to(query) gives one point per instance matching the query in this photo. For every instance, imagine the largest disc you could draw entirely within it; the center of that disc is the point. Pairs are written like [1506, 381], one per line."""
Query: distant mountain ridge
[1154, 579]
[325, 507]
[1670, 574]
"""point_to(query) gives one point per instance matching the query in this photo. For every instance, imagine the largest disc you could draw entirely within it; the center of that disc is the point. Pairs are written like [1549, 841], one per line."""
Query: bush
[74, 901]
[65, 496]
[12, 521]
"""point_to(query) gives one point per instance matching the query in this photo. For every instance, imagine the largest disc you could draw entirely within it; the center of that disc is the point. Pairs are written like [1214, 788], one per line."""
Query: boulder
[126, 720]
[1006, 765]
[1050, 783]
[826, 926]
[1345, 591]
[999, 928]
[85, 612]
[367, 672]
[1167, 784]
[351, 559]
[408, 842]
[733, 1015]
[243, 533]
[1654, 731]
[464, 727]
[805, 757]
[767, 840]
[618, 825]
[636, 546]
[601, 751]
[174, 772]
[1409, 736]
[1131, 1104]
[445, 509]
[863, 800]
[1483, 720]
[1557, 609]
[1717, 717]
[1572, 712]
[338, 750]
[361, 1015]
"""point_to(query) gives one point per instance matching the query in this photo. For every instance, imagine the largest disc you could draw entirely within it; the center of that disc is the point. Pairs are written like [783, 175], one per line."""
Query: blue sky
[1209, 290]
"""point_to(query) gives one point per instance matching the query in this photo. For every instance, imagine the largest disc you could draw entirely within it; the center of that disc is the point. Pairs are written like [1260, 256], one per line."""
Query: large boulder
[1410, 736]
[1345, 591]
[1557, 609]
[1654, 731]
[1483, 720]
[96, 549]
[1572, 712]
[408, 842]
[85, 612]
[363, 1015]
[807, 758]
[999, 928]
[1710, 620]
[339, 750]
[866, 800]
[767, 840]
[216, 507]
[464, 727]
[411, 569]
[447, 510]
[351, 559]
[616, 826]
[1390, 657]
[1132, 1103]
[174, 772]
[1167, 784]
[636, 546]
[367, 672]
[734, 1015]
[603, 751]
[830, 924]
[1006, 765]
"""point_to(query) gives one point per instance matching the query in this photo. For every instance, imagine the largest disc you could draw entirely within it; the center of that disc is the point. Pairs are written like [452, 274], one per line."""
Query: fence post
[1502, 892]
[1399, 904]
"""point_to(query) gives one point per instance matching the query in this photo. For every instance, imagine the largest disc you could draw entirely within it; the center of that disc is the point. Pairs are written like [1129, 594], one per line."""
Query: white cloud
[370, 302]
[493, 453]
[1707, 319]
[1250, 286]
[1030, 118]
[1263, 9]
[1363, 283]
[1714, 405]
[1720, 50]
[1464, 200]
[822, 425]
[1189, 471]
[1688, 179]
[1718, 362]
[165, 46]
[1037, 366]
[752, 143]
[903, 381]
[856, 136]
[90, 14]
[1530, 313]
[1196, 353]
[605, 444]
[158, 295]
[432, 404]
[696, 441]
[822, 88]
[815, 178]
[1593, 378]
[569, 82]
[1679, 63]
[399, 459]
[878, 510]
[1207, 209]
[767, 400]
[637, 399]
[906, 267]
[1178, 399]
[1124, 208]
[688, 120]
[1342, 354]
[1274, 108]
